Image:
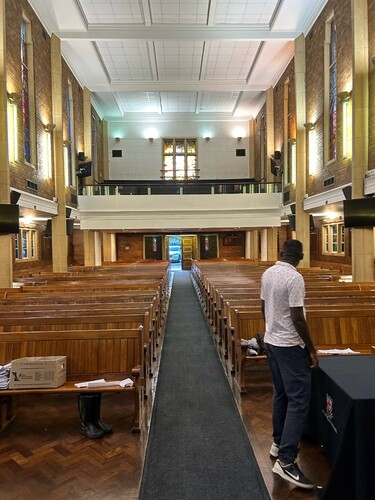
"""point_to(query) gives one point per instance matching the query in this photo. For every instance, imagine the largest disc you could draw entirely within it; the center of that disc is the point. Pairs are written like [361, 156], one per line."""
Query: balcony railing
[228, 186]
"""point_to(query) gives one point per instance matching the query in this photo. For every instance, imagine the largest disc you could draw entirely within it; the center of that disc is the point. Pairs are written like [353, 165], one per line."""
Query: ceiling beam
[177, 33]
[178, 86]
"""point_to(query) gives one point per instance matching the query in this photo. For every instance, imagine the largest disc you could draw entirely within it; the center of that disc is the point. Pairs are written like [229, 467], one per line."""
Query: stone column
[270, 131]
[98, 243]
[272, 235]
[264, 244]
[109, 247]
[362, 239]
[89, 247]
[105, 150]
[302, 218]
[59, 238]
[252, 148]
[6, 253]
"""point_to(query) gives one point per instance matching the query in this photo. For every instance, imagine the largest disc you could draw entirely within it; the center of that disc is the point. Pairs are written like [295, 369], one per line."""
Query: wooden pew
[339, 328]
[109, 354]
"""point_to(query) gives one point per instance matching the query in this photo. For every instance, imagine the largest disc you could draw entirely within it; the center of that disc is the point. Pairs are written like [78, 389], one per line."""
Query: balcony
[180, 205]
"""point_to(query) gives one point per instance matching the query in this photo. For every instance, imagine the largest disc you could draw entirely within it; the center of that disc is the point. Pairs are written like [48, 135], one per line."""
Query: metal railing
[230, 186]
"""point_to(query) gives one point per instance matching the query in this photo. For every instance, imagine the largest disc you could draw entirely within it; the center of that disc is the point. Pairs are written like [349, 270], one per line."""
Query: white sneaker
[274, 451]
[292, 473]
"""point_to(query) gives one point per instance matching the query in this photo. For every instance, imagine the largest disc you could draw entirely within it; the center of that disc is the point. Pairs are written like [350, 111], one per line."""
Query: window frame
[330, 92]
[28, 92]
[333, 238]
[175, 155]
[26, 244]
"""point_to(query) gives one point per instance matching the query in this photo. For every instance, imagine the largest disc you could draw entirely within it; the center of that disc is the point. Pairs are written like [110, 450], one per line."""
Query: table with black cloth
[342, 419]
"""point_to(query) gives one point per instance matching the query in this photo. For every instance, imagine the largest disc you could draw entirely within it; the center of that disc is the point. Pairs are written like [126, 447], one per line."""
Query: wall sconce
[309, 126]
[14, 97]
[49, 127]
[239, 139]
[117, 139]
[344, 96]
[207, 138]
[151, 139]
[66, 143]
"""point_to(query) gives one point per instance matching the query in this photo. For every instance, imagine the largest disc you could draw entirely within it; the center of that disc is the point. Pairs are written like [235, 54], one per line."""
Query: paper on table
[102, 383]
[338, 351]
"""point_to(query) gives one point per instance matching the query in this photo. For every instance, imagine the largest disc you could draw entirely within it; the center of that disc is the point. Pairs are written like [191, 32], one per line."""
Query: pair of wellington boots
[89, 412]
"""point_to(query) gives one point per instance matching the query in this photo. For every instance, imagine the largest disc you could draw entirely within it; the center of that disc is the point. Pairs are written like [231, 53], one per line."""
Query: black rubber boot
[86, 406]
[107, 429]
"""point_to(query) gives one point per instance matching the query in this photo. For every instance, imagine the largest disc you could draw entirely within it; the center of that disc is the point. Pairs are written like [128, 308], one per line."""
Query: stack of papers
[4, 376]
[102, 383]
[338, 351]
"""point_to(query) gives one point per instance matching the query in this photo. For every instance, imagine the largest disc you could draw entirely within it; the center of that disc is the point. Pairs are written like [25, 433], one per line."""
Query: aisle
[198, 448]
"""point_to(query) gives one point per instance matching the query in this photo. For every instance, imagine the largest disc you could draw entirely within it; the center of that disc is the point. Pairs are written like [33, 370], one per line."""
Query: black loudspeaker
[81, 156]
[347, 191]
[14, 197]
[312, 223]
[69, 226]
[68, 212]
[292, 222]
[48, 231]
[277, 155]
[293, 208]
[9, 218]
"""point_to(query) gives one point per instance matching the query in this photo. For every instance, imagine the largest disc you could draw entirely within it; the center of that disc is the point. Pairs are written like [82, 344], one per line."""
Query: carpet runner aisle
[198, 447]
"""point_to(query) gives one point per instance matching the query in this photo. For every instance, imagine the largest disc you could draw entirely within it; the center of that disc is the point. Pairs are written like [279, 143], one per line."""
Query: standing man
[291, 354]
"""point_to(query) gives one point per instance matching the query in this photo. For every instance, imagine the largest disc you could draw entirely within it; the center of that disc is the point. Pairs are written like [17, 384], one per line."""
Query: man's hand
[314, 359]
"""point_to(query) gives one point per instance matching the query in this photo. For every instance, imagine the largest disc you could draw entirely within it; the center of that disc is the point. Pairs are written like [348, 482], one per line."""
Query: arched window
[332, 94]
[25, 75]
[330, 98]
[70, 179]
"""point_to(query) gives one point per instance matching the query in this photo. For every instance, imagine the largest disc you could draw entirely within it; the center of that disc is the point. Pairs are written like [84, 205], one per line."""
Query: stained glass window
[332, 94]
[180, 159]
[25, 100]
[69, 118]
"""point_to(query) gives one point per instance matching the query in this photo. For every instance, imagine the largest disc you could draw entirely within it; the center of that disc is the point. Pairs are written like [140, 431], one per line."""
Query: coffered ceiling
[192, 59]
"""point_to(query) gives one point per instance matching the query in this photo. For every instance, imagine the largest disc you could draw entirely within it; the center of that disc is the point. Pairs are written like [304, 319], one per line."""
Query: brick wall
[371, 31]
[129, 247]
[315, 39]
[20, 171]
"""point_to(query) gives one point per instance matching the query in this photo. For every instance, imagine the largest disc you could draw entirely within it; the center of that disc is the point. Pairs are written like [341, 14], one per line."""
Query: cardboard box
[37, 372]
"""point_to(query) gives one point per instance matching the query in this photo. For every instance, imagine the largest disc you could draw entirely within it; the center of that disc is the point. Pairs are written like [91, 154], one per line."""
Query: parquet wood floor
[43, 456]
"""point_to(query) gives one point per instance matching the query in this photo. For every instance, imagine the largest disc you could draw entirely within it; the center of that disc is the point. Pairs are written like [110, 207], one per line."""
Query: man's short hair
[293, 248]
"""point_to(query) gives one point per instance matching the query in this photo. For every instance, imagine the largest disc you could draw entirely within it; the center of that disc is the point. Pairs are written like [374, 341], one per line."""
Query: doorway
[174, 252]
[180, 250]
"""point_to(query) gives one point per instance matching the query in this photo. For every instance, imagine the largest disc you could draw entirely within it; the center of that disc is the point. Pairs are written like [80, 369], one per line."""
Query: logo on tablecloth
[328, 412]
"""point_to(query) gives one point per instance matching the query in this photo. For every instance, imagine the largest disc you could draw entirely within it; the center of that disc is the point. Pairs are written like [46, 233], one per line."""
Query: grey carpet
[198, 447]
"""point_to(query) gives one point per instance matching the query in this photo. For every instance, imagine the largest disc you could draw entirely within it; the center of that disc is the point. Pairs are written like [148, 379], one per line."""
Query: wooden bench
[110, 354]
[339, 328]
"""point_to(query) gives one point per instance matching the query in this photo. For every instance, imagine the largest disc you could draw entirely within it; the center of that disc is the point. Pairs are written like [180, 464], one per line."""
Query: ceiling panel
[139, 102]
[178, 102]
[214, 57]
[126, 60]
[245, 11]
[112, 11]
[218, 102]
[230, 60]
[179, 12]
[178, 60]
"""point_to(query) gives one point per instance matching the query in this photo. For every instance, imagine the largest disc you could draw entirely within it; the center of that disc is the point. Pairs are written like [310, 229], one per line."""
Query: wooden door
[189, 251]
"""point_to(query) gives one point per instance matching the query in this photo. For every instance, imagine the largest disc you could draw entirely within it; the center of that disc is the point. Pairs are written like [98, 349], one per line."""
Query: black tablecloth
[342, 419]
